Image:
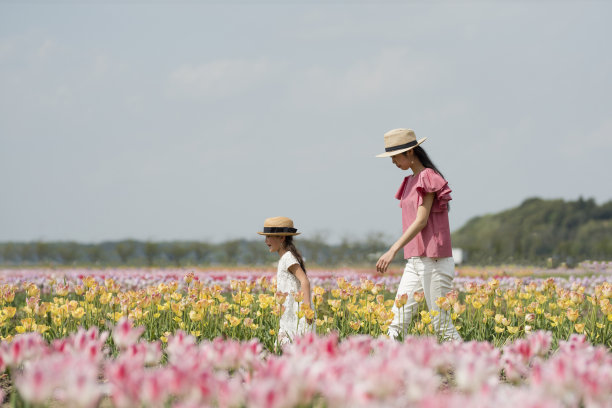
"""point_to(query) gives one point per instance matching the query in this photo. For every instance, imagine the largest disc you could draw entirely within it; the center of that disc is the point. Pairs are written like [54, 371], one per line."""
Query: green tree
[176, 251]
[151, 251]
[125, 250]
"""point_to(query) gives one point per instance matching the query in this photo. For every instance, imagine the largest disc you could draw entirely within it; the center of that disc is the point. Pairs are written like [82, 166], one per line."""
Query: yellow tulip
[78, 313]
[7, 339]
[9, 312]
[90, 295]
[367, 285]
[425, 317]
[41, 328]
[401, 300]
[298, 297]
[105, 298]
[32, 290]
[572, 314]
[89, 282]
[355, 325]
[459, 308]
[443, 303]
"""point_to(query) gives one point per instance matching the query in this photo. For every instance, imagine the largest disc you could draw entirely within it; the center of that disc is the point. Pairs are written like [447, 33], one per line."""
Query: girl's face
[274, 242]
[403, 160]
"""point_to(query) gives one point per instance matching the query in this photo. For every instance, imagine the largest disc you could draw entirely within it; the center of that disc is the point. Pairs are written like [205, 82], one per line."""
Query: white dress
[287, 282]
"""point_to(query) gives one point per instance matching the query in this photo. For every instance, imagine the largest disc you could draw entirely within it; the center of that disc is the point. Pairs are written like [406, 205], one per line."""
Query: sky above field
[198, 120]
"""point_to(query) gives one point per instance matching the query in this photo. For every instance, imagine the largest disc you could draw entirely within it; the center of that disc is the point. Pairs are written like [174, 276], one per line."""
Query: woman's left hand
[385, 260]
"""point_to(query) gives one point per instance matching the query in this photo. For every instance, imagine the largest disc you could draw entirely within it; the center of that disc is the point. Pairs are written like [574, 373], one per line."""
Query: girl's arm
[417, 225]
[296, 270]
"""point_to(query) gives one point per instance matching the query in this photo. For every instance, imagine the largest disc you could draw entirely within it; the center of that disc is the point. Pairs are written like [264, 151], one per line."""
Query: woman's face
[274, 242]
[402, 160]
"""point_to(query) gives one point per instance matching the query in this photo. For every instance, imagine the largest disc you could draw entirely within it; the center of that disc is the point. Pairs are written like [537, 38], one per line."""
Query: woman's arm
[296, 270]
[417, 225]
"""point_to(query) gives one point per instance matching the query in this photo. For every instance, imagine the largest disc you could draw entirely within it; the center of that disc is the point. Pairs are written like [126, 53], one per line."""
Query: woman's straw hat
[281, 226]
[399, 141]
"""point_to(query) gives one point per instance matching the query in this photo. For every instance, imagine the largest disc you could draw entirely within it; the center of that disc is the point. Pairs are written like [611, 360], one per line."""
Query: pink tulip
[148, 353]
[79, 383]
[153, 391]
[24, 347]
[125, 377]
[178, 345]
[125, 334]
[36, 384]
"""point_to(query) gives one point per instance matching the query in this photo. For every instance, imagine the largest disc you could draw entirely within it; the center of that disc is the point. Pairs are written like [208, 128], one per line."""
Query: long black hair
[290, 246]
[425, 160]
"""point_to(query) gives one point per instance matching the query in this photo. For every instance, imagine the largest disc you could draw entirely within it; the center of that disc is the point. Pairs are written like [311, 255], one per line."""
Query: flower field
[188, 338]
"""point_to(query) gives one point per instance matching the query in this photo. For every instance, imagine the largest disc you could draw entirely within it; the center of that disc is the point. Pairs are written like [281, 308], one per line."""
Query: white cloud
[391, 72]
[48, 48]
[6, 48]
[59, 96]
[221, 78]
[589, 143]
[104, 65]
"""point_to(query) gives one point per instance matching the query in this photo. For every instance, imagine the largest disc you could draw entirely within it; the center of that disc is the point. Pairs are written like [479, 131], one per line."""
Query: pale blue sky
[186, 120]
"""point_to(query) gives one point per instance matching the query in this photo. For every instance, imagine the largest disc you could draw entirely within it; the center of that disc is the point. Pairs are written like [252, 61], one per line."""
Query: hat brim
[279, 234]
[394, 152]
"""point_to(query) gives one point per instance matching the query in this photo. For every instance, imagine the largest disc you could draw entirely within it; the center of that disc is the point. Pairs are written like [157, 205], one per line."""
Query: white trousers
[433, 276]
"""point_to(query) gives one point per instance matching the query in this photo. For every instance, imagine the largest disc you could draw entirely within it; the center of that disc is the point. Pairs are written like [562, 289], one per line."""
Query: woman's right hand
[385, 260]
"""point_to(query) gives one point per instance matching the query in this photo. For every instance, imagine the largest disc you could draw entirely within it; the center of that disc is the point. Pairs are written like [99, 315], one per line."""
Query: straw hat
[280, 226]
[399, 141]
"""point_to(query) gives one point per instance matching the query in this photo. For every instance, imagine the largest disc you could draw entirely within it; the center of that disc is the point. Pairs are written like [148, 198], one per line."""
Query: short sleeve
[290, 259]
[399, 193]
[432, 182]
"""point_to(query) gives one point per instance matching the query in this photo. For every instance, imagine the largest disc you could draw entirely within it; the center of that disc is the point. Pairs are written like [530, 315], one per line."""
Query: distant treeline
[552, 230]
[538, 232]
[189, 253]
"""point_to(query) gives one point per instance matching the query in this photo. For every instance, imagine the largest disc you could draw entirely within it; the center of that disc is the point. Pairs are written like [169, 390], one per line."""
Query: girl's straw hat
[399, 141]
[281, 226]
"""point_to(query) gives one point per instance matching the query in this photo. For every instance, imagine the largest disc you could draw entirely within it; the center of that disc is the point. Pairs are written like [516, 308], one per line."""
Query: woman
[430, 268]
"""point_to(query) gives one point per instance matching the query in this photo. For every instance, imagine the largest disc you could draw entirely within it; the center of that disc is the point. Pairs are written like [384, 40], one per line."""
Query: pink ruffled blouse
[434, 240]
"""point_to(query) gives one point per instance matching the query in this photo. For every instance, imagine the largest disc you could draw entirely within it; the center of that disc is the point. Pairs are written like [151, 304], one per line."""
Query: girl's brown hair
[290, 246]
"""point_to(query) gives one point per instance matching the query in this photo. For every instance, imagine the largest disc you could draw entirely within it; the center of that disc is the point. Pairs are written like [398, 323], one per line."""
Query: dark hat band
[404, 146]
[274, 230]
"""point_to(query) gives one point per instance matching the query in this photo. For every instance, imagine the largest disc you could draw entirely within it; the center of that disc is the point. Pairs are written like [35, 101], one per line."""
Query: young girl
[424, 198]
[290, 277]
